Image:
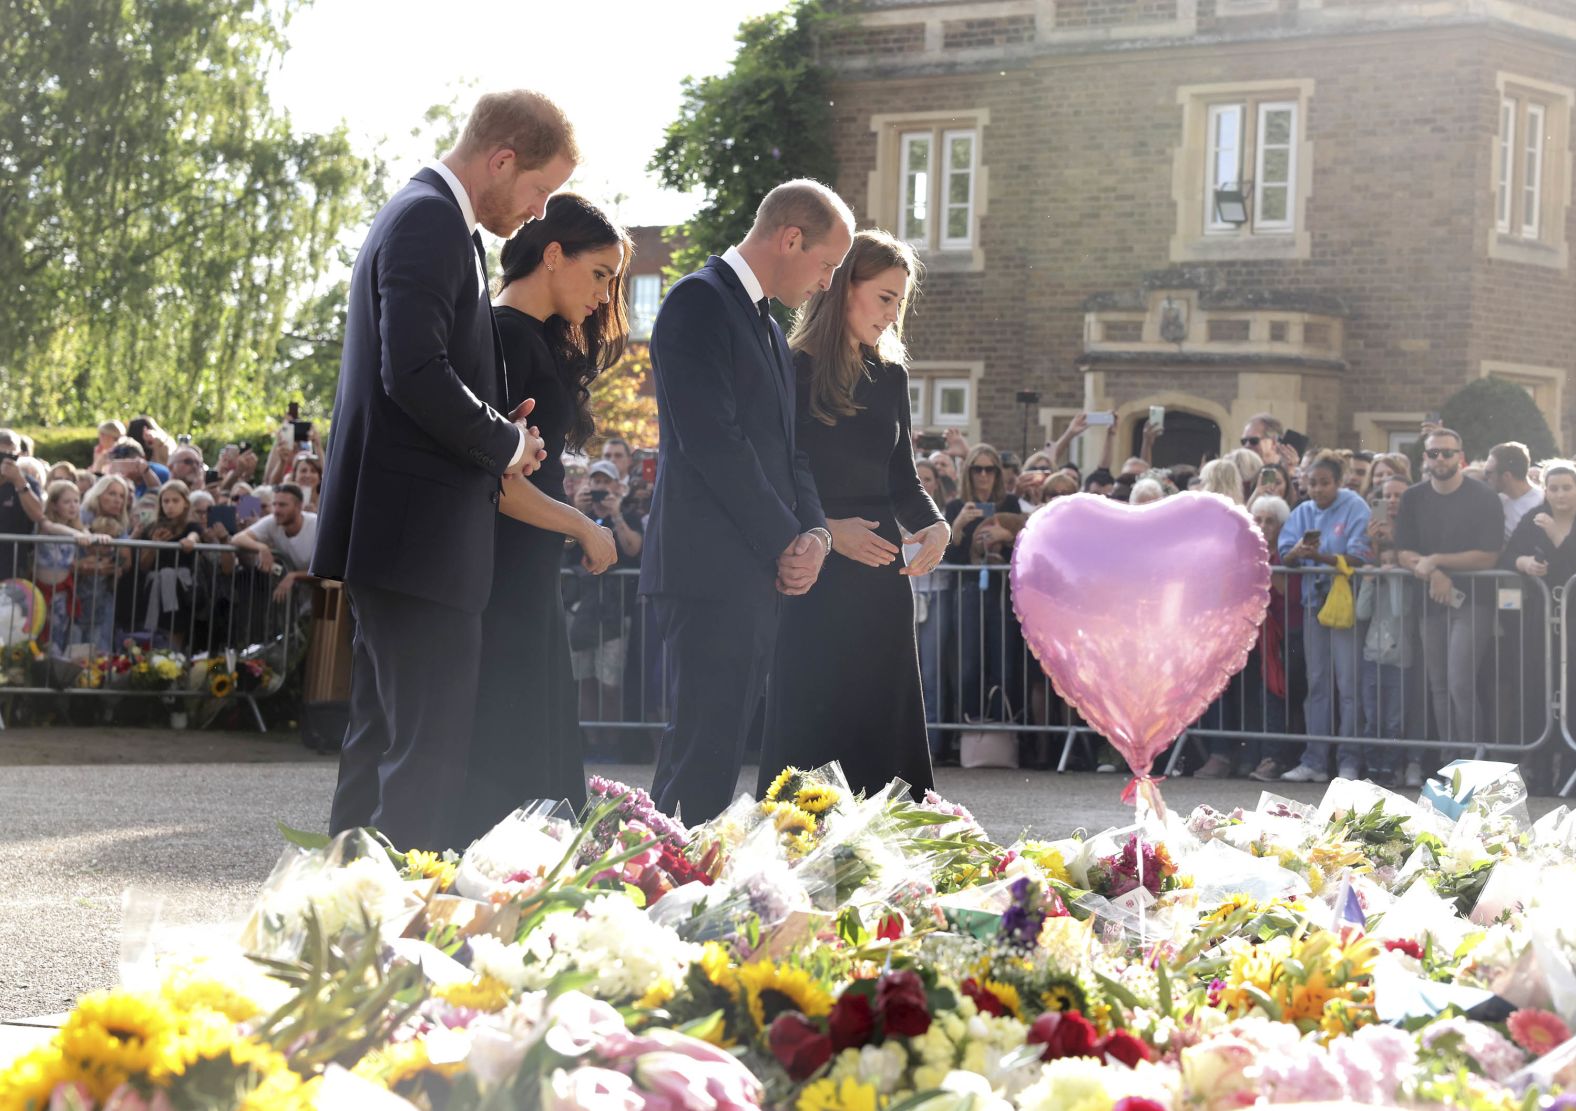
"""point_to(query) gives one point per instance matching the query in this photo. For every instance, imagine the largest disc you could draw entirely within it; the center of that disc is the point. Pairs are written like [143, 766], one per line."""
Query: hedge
[75, 444]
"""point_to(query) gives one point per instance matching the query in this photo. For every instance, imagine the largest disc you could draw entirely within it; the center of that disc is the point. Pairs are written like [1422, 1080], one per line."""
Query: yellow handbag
[1339, 610]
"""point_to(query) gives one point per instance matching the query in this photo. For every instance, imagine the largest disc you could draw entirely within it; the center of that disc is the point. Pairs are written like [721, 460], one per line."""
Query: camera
[8, 457]
[598, 495]
[931, 441]
[303, 431]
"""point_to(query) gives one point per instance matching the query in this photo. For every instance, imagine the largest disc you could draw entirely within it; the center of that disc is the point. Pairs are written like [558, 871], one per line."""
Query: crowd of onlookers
[1430, 650]
[258, 502]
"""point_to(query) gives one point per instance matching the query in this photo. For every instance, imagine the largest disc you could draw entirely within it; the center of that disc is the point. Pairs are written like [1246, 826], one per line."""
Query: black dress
[526, 740]
[845, 685]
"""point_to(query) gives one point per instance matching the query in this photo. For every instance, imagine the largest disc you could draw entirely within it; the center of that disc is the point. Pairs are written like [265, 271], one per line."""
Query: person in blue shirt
[1332, 523]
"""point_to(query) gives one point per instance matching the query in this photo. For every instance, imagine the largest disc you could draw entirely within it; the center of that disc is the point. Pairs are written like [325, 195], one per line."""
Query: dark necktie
[481, 253]
[764, 307]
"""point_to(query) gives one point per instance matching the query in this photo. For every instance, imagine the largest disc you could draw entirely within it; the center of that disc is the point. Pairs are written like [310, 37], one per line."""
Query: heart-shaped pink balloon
[1141, 615]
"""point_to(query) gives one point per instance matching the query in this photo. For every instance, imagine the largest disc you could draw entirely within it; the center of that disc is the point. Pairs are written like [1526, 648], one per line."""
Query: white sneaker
[1106, 769]
[1349, 770]
[1304, 774]
[1414, 773]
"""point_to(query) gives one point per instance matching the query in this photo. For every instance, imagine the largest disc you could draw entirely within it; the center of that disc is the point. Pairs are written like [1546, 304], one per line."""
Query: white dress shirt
[469, 213]
[752, 284]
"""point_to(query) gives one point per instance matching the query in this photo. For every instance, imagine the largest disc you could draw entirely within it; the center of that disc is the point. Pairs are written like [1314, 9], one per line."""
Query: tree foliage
[162, 227]
[738, 134]
[622, 400]
[1491, 411]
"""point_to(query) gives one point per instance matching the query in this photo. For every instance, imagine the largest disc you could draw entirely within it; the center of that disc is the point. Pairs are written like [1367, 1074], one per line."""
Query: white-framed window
[936, 190]
[916, 402]
[952, 402]
[645, 295]
[1532, 173]
[1269, 146]
[1507, 154]
[1275, 193]
[1399, 441]
[1224, 162]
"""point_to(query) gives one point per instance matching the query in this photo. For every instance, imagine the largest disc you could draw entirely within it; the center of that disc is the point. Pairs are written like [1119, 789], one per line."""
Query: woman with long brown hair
[846, 684]
[562, 322]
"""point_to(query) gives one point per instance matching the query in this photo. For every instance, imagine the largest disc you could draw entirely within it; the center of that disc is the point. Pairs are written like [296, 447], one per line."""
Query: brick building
[1335, 210]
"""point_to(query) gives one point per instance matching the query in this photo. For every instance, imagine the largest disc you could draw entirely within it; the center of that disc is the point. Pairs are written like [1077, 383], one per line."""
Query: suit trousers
[719, 654]
[414, 666]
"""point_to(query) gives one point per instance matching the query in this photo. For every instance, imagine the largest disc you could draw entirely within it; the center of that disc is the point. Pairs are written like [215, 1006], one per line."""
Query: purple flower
[1021, 922]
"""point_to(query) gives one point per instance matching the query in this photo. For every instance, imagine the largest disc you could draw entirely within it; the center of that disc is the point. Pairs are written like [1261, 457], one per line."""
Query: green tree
[1491, 411]
[160, 221]
[766, 120]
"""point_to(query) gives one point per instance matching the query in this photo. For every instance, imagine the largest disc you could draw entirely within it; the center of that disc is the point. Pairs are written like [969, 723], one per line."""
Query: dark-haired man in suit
[735, 520]
[410, 491]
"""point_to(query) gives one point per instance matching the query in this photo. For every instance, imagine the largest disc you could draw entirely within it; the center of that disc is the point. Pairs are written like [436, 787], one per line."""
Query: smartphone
[985, 507]
[1431, 417]
[248, 507]
[1100, 420]
[225, 515]
[932, 441]
[598, 495]
[1458, 598]
[303, 431]
[648, 471]
[1312, 537]
[293, 411]
[1157, 415]
[1381, 511]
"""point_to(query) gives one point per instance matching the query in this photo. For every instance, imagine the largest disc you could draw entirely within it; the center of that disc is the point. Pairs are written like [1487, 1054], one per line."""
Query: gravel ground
[185, 822]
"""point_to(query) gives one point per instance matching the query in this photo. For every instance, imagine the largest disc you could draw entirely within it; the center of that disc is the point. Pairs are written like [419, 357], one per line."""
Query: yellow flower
[1049, 859]
[1006, 995]
[1232, 903]
[115, 1035]
[26, 1084]
[828, 1095]
[718, 966]
[770, 989]
[398, 1062]
[1064, 993]
[203, 1036]
[419, 863]
[483, 994]
[656, 995]
[816, 798]
[220, 684]
[784, 778]
[188, 989]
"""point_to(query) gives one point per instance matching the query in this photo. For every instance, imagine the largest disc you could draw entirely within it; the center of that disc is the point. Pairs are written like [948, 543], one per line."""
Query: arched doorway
[1188, 439]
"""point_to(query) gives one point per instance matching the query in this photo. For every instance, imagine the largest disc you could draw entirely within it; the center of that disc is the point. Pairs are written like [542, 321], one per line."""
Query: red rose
[984, 1000]
[852, 1022]
[900, 999]
[892, 926]
[1405, 945]
[798, 1045]
[1126, 1048]
[1137, 1103]
[1063, 1034]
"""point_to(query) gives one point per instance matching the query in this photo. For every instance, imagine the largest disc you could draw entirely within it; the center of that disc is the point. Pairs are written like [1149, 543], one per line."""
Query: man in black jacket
[410, 492]
[735, 519]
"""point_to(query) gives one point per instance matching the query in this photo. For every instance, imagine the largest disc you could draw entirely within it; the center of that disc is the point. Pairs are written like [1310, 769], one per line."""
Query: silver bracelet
[825, 536]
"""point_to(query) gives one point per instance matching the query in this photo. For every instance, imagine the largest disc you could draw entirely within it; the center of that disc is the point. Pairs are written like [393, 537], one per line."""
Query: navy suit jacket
[410, 489]
[732, 488]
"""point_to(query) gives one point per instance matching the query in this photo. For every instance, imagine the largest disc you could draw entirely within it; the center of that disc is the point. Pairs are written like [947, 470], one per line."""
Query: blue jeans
[934, 635]
[1384, 712]
[1331, 657]
[990, 649]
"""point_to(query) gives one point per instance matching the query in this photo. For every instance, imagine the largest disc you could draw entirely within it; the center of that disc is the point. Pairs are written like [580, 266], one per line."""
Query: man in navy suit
[735, 519]
[410, 492]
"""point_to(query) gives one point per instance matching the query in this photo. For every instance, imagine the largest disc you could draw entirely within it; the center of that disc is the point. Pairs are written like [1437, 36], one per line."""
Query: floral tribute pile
[820, 951]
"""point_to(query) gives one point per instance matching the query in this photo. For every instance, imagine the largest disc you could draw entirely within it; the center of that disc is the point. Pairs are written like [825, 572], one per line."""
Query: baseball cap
[604, 468]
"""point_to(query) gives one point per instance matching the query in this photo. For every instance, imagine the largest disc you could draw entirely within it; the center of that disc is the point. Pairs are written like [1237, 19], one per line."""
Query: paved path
[181, 830]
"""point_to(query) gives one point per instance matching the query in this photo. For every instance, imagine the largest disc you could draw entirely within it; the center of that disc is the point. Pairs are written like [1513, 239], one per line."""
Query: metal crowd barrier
[1567, 665]
[109, 605]
[1498, 693]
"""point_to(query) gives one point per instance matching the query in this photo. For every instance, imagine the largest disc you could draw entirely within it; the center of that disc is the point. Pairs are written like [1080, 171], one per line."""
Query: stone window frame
[887, 181]
[1192, 239]
[639, 325]
[929, 374]
[1523, 99]
[1383, 430]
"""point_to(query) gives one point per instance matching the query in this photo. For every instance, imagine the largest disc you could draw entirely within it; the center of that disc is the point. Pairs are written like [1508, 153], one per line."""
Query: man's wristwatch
[825, 538]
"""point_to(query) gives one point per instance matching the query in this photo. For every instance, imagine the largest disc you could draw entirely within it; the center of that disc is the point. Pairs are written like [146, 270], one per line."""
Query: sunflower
[29, 1081]
[483, 994]
[787, 782]
[816, 798]
[656, 995]
[115, 1035]
[421, 864]
[1064, 993]
[1231, 905]
[790, 818]
[188, 989]
[1005, 994]
[204, 1036]
[770, 989]
[220, 684]
[828, 1095]
[718, 967]
[399, 1062]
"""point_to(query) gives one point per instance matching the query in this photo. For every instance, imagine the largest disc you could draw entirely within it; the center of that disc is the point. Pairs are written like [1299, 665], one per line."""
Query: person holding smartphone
[1451, 523]
[1332, 524]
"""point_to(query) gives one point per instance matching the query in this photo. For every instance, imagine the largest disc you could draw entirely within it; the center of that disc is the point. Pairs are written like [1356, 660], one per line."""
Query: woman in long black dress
[561, 318]
[846, 682]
